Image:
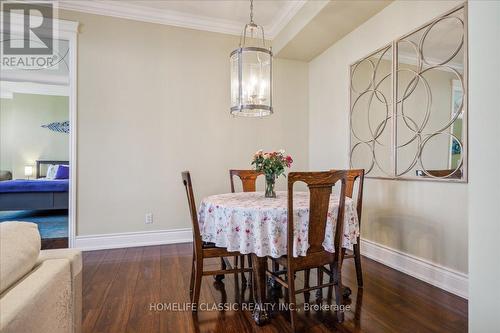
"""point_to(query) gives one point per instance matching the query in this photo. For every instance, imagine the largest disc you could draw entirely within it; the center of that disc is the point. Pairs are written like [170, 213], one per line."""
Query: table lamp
[28, 171]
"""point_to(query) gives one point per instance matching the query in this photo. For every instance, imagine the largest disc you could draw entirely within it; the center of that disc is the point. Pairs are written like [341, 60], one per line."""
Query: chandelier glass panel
[251, 74]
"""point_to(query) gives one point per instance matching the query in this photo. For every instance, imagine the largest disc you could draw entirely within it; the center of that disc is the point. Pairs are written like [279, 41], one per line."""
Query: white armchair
[40, 291]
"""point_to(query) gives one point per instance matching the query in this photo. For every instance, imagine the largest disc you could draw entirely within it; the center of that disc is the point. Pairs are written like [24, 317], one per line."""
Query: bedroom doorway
[38, 142]
[34, 158]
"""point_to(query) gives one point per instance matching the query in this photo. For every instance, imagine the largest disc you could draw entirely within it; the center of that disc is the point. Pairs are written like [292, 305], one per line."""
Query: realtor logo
[27, 35]
[37, 28]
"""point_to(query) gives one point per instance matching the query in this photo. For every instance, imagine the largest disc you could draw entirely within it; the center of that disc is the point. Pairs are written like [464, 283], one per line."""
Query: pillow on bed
[62, 172]
[52, 171]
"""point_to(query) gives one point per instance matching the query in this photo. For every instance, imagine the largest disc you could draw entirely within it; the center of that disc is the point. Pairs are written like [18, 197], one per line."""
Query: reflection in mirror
[430, 100]
[371, 110]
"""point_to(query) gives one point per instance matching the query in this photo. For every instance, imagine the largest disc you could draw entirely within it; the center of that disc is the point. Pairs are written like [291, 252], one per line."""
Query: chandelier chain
[251, 11]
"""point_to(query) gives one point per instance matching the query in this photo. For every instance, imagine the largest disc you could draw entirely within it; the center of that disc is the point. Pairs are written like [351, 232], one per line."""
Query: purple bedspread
[22, 185]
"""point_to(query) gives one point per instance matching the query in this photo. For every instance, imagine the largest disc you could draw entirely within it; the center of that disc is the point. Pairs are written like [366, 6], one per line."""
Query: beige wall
[23, 140]
[424, 219]
[153, 101]
[484, 188]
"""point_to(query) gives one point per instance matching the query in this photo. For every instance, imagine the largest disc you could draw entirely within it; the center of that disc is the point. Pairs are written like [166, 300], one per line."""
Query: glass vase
[270, 180]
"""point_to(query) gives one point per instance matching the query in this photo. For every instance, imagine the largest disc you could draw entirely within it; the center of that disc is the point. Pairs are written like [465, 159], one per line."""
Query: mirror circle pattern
[408, 105]
[371, 113]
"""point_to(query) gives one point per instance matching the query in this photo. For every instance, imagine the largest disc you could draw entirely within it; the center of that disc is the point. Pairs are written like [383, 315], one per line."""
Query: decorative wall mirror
[421, 78]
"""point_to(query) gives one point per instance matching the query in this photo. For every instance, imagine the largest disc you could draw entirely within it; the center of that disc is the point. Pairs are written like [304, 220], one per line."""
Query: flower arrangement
[273, 165]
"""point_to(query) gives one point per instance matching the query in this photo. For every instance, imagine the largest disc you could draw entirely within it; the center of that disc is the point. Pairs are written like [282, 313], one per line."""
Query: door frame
[66, 30]
[69, 30]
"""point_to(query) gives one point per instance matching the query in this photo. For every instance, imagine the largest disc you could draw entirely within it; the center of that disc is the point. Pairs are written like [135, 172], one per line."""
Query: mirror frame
[394, 105]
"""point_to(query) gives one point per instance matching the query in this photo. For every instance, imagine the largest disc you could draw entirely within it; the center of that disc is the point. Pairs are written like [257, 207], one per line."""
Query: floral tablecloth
[248, 222]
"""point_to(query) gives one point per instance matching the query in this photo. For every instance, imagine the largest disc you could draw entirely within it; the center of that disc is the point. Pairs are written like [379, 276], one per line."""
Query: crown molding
[176, 18]
[282, 18]
[151, 15]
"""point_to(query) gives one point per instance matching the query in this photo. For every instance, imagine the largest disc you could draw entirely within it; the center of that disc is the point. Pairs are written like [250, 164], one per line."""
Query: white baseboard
[439, 276]
[133, 239]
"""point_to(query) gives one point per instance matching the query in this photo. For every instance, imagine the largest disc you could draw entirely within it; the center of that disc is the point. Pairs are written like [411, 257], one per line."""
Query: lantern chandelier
[251, 74]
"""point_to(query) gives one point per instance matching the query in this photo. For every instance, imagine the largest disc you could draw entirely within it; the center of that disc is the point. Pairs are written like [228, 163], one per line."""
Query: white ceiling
[226, 16]
[237, 11]
[335, 20]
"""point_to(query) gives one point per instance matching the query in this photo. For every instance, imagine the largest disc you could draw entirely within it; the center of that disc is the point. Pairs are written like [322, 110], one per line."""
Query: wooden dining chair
[248, 179]
[320, 186]
[203, 250]
[354, 175]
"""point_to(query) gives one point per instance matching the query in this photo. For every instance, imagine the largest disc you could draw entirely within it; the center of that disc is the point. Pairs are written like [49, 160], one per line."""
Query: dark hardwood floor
[121, 287]
[54, 243]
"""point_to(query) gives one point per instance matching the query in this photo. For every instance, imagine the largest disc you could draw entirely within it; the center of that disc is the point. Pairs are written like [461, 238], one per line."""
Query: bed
[35, 194]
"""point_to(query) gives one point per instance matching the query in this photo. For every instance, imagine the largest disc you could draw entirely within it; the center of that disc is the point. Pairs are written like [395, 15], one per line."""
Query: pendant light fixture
[251, 74]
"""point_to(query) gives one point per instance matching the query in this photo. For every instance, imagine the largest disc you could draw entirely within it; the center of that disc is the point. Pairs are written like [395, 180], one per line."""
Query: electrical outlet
[149, 218]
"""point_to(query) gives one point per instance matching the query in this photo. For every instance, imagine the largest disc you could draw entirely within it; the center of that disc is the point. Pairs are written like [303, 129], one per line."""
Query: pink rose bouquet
[273, 165]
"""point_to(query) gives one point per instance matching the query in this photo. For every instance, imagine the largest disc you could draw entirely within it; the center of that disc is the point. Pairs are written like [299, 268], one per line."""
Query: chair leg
[307, 273]
[250, 275]
[243, 277]
[220, 277]
[319, 292]
[197, 284]
[292, 296]
[330, 288]
[286, 296]
[238, 294]
[191, 281]
[357, 263]
[339, 297]
[272, 281]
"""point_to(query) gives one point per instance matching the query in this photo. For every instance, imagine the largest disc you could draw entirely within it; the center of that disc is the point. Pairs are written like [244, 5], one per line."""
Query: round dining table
[250, 223]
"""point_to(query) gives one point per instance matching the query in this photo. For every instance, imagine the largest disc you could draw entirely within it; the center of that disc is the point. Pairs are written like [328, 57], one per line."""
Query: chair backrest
[186, 180]
[354, 175]
[248, 179]
[320, 186]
